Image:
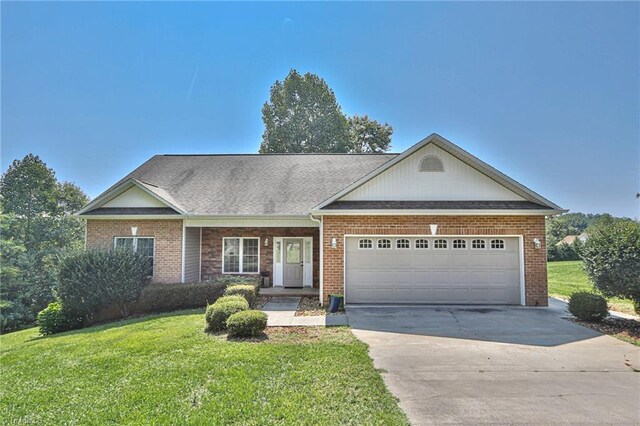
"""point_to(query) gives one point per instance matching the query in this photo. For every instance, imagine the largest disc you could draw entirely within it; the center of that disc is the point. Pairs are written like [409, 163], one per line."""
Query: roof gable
[473, 179]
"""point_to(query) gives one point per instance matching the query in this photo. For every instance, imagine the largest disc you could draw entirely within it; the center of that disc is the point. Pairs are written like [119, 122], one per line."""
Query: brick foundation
[167, 266]
[535, 260]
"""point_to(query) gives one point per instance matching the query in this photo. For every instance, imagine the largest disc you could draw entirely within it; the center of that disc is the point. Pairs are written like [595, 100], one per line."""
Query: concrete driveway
[500, 365]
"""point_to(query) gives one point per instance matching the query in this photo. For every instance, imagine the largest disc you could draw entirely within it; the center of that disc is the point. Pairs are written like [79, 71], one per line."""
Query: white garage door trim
[520, 253]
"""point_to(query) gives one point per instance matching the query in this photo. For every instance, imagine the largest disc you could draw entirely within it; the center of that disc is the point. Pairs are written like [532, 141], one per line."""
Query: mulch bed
[261, 301]
[309, 306]
[624, 329]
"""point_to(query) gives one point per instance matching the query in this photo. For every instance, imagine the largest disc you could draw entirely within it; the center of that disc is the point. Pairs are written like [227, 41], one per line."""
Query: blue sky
[548, 93]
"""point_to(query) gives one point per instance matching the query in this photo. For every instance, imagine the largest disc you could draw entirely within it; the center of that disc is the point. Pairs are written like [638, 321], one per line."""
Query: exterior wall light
[334, 243]
[134, 230]
[537, 243]
[266, 242]
[434, 229]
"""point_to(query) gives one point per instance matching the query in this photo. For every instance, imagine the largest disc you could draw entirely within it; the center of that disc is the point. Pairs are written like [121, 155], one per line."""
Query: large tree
[37, 226]
[367, 135]
[303, 115]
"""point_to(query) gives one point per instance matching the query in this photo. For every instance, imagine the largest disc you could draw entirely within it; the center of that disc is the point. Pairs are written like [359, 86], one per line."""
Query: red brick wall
[535, 260]
[168, 242]
[212, 247]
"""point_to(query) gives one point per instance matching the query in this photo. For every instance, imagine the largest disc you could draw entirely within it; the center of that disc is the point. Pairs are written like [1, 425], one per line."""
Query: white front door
[293, 262]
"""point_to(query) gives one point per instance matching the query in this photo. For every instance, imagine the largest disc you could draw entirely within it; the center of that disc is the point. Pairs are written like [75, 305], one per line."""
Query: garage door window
[403, 244]
[497, 244]
[422, 244]
[365, 244]
[478, 245]
[459, 244]
[384, 244]
[440, 244]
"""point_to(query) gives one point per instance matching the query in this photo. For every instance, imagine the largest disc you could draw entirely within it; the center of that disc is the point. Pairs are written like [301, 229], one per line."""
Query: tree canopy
[303, 116]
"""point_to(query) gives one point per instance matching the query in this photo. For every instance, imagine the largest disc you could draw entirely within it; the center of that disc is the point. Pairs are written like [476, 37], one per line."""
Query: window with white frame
[440, 244]
[384, 243]
[403, 243]
[459, 244]
[422, 244]
[365, 243]
[497, 244]
[478, 245]
[142, 245]
[240, 255]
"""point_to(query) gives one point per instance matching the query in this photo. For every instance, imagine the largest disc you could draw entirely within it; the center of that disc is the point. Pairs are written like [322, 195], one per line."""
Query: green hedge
[248, 291]
[176, 296]
[217, 314]
[588, 306]
[247, 323]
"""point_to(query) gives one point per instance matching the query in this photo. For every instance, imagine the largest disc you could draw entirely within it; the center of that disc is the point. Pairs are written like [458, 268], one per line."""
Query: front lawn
[568, 277]
[164, 370]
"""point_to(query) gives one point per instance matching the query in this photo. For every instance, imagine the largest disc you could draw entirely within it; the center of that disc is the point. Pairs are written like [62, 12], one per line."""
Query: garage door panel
[465, 276]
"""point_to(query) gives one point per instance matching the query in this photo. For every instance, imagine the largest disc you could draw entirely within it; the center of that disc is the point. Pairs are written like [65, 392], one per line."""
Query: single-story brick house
[433, 224]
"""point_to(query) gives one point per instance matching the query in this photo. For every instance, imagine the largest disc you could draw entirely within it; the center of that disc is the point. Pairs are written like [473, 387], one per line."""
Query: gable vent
[431, 163]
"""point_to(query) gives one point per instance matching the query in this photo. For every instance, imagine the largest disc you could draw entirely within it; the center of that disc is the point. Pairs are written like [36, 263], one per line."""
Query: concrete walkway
[281, 312]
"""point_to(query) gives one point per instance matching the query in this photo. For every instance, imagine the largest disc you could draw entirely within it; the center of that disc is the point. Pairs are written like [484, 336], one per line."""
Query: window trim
[135, 247]
[365, 248]
[446, 244]
[384, 248]
[403, 248]
[240, 255]
[484, 243]
[425, 240]
[453, 244]
[504, 244]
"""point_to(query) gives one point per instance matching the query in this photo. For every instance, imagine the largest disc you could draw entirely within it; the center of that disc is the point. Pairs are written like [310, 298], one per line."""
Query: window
[440, 244]
[403, 244]
[365, 244]
[240, 255]
[497, 244]
[142, 245]
[431, 163]
[478, 245]
[422, 244]
[384, 244]
[459, 244]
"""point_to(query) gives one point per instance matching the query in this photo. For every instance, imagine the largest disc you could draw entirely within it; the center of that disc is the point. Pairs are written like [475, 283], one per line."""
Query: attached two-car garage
[438, 270]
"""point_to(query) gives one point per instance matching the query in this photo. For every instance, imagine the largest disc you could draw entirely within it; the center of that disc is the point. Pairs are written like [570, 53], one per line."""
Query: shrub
[229, 280]
[233, 298]
[248, 291]
[611, 258]
[96, 279]
[176, 296]
[14, 315]
[55, 319]
[247, 323]
[217, 314]
[588, 306]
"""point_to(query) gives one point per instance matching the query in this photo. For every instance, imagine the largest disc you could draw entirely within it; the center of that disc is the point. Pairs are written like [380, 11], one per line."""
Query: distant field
[568, 277]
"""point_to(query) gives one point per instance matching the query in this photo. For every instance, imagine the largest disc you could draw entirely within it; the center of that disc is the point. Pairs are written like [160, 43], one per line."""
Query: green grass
[568, 277]
[165, 370]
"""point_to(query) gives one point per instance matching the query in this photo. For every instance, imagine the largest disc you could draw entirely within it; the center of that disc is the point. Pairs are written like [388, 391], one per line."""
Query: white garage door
[446, 270]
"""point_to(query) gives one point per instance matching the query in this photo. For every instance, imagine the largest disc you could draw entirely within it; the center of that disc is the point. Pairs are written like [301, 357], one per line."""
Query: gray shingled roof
[282, 184]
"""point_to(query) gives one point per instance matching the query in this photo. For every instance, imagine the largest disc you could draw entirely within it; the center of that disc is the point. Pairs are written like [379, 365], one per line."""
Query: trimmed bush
[247, 323]
[176, 296]
[234, 298]
[248, 291]
[94, 279]
[217, 314]
[56, 319]
[229, 280]
[588, 306]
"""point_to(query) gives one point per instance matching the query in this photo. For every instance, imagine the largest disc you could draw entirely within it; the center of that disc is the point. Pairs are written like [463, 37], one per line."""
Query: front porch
[290, 292]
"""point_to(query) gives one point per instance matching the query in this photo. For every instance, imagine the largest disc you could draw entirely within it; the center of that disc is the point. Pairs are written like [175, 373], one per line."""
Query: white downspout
[321, 244]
